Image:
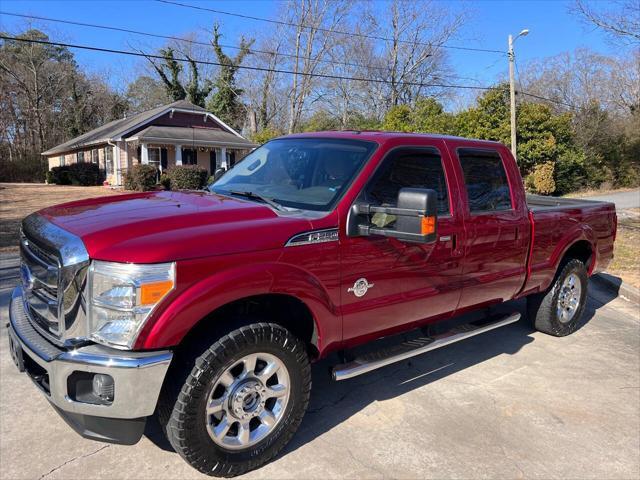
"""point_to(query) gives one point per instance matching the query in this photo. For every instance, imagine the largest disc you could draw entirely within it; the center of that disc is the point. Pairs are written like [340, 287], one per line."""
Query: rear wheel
[242, 401]
[558, 310]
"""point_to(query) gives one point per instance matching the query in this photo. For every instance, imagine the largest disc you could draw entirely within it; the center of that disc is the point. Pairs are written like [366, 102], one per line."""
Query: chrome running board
[411, 348]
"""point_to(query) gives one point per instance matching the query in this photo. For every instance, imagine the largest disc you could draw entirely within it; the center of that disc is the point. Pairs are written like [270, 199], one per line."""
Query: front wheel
[242, 401]
[558, 310]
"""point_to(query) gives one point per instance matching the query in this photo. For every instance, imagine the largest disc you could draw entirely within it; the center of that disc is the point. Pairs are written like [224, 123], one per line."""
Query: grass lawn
[598, 191]
[626, 262]
[17, 200]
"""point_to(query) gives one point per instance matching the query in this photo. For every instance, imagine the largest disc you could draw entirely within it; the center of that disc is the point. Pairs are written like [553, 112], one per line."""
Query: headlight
[121, 297]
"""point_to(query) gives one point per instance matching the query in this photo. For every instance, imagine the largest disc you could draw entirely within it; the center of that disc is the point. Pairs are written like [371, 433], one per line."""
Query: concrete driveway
[512, 403]
[623, 200]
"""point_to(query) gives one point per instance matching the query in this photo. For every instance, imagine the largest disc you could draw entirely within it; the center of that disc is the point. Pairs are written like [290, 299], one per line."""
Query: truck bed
[557, 224]
[538, 203]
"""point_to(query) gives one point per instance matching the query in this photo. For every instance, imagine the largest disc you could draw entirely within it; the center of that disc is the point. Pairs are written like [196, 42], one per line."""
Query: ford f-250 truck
[207, 307]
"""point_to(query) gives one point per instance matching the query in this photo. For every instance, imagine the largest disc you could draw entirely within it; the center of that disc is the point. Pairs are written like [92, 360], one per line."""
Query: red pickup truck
[208, 307]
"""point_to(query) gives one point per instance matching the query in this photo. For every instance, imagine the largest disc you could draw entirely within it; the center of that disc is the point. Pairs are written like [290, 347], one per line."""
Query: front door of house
[213, 162]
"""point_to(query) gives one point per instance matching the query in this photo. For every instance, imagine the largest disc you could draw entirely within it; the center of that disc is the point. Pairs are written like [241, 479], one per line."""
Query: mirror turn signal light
[428, 225]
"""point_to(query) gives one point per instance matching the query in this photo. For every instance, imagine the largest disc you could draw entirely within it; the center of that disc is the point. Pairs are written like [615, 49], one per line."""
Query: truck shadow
[334, 402]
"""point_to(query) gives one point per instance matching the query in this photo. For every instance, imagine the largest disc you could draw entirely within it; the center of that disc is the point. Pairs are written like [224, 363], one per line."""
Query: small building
[179, 133]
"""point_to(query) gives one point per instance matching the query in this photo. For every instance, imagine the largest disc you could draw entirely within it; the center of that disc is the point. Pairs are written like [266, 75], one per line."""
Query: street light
[512, 90]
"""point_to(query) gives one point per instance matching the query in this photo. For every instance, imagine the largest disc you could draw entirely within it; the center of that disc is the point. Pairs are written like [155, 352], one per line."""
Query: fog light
[103, 386]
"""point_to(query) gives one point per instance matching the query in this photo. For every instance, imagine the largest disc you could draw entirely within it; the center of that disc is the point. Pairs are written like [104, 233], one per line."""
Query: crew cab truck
[208, 307]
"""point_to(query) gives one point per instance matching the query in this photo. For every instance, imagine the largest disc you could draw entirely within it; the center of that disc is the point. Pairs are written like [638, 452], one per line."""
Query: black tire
[183, 413]
[542, 307]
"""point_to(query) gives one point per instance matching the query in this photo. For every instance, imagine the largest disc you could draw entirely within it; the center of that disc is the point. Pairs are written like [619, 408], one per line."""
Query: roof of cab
[380, 136]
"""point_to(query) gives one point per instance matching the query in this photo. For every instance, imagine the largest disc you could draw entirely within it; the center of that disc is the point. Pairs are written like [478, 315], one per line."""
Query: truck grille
[40, 273]
[54, 265]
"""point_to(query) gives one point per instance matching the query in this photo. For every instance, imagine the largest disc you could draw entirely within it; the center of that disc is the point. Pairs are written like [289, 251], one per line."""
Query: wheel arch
[288, 295]
[582, 250]
[285, 310]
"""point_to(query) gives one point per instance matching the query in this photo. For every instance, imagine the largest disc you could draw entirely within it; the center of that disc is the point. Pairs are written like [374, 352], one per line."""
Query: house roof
[113, 130]
[189, 135]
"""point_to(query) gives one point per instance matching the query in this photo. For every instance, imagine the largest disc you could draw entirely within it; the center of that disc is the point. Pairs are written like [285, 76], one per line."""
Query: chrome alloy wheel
[247, 401]
[569, 298]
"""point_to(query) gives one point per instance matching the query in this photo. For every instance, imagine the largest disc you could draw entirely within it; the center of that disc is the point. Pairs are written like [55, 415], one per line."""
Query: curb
[617, 286]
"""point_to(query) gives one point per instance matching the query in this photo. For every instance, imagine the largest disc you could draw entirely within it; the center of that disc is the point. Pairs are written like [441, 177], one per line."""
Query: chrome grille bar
[40, 277]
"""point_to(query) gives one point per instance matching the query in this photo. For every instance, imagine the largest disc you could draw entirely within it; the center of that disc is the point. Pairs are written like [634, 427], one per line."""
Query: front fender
[188, 307]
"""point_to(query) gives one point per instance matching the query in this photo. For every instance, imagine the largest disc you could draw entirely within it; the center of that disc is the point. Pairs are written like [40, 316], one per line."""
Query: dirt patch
[17, 200]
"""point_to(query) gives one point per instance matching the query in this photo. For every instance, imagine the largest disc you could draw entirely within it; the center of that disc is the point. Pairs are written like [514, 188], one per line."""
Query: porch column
[223, 156]
[144, 153]
[116, 163]
[178, 154]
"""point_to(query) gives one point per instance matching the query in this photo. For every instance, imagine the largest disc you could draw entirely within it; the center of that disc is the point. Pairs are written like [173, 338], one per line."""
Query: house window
[94, 156]
[108, 158]
[61, 160]
[154, 157]
[189, 156]
[80, 157]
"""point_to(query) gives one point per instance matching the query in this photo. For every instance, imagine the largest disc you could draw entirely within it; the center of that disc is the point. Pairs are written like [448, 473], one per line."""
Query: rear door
[388, 284]
[496, 224]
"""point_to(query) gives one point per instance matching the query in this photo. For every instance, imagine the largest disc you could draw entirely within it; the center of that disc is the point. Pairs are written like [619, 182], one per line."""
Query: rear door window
[485, 179]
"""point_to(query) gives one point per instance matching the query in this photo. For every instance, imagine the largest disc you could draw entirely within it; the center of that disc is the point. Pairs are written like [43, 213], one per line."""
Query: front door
[164, 164]
[388, 284]
[213, 165]
[189, 156]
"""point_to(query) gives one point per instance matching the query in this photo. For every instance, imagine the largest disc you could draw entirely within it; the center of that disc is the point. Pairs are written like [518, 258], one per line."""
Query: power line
[245, 67]
[540, 97]
[327, 30]
[274, 70]
[171, 37]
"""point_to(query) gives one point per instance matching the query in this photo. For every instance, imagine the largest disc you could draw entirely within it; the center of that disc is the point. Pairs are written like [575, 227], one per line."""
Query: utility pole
[512, 91]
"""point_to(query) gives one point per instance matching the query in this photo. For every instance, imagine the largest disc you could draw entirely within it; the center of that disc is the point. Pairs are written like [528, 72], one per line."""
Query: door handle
[454, 244]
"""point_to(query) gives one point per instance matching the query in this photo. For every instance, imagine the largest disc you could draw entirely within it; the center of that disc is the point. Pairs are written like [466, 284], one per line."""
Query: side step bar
[411, 348]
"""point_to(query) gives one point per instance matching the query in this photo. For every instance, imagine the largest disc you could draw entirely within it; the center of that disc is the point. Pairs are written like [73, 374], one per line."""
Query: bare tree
[312, 38]
[45, 99]
[413, 55]
[618, 18]
[584, 77]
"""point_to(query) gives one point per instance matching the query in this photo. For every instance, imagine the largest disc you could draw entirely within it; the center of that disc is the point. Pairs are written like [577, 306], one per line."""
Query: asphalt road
[512, 403]
[623, 200]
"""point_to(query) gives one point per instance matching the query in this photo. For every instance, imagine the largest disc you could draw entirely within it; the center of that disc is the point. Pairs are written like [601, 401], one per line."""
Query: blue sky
[553, 30]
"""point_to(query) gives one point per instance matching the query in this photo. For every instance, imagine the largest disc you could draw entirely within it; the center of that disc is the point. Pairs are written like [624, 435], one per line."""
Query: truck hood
[156, 227]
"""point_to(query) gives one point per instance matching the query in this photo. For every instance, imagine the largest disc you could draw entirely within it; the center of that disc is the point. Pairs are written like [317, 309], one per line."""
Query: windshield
[305, 173]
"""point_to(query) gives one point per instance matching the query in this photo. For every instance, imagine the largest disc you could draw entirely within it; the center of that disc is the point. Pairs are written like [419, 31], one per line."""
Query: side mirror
[415, 217]
[218, 173]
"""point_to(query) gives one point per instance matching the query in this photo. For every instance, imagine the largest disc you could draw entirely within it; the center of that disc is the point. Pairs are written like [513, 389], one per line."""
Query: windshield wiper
[268, 201]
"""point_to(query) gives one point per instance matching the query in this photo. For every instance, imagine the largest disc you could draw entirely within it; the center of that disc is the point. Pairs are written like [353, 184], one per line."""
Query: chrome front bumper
[138, 376]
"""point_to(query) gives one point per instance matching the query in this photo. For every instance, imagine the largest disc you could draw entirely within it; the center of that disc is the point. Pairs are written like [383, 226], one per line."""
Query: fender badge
[360, 288]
